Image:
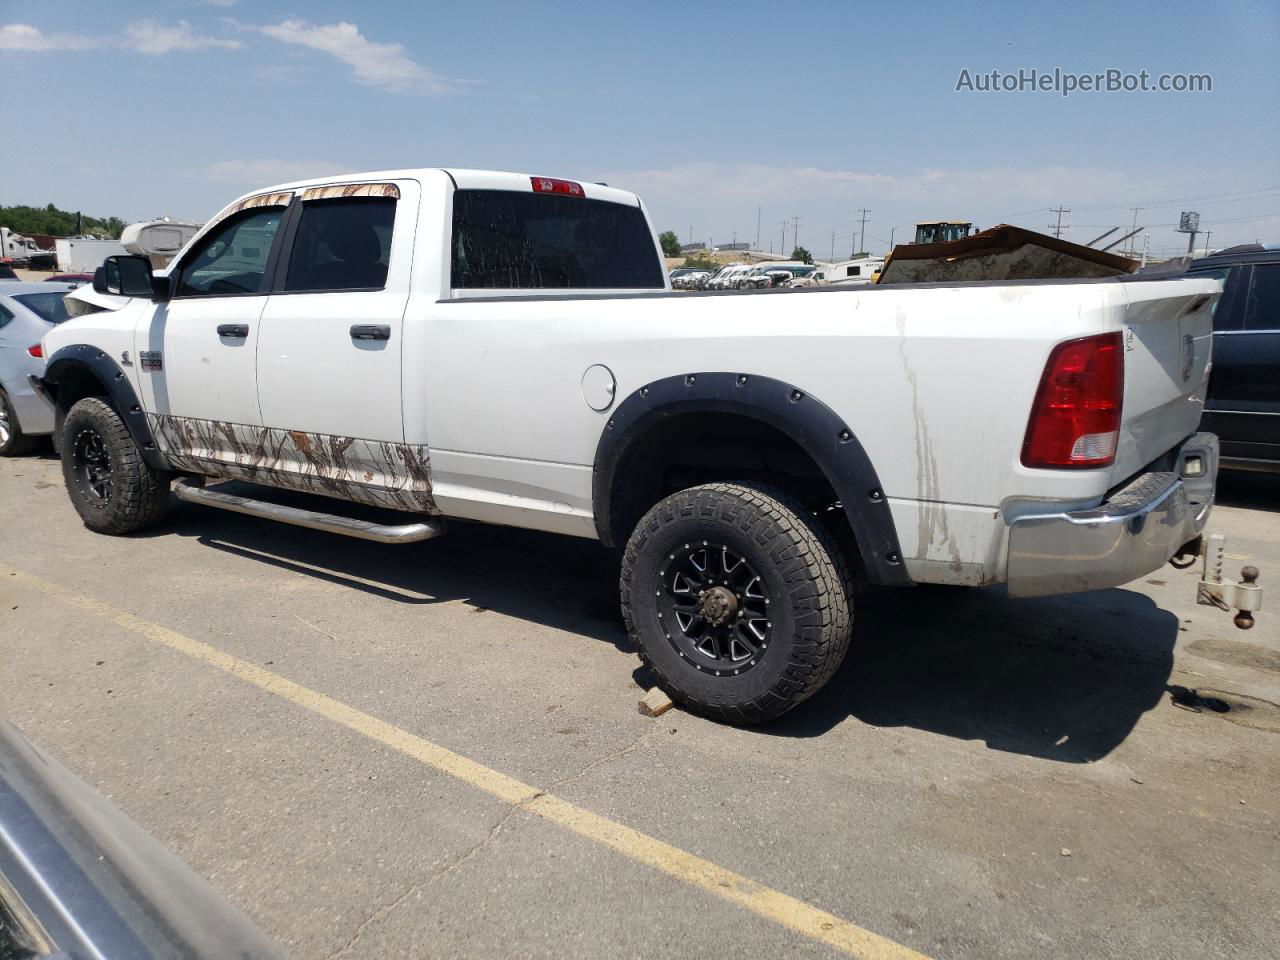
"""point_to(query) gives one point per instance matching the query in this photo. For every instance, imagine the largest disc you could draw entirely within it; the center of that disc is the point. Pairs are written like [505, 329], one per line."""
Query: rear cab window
[515, 240]
[47, 306]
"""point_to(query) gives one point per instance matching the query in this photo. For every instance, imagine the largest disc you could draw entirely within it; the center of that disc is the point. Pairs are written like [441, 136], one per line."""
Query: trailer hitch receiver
[1244, 596]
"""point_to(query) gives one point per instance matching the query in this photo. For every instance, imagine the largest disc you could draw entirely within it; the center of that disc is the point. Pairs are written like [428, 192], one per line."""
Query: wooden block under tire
[655, 703]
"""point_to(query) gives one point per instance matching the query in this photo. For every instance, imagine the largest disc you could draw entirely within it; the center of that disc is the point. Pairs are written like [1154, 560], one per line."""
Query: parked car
[750, 457]
[28, 310]
[814, 278]
[688, 278]
[1243, 405]
[726, 277]
[78, 879]
[759, 279]
[73, 278]
[749, 280]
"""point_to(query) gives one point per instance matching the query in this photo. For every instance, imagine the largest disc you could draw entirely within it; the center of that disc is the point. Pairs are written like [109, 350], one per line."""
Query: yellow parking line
[771, 904]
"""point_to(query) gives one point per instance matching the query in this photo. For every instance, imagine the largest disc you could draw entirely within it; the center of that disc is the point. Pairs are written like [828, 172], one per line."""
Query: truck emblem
[150, 360]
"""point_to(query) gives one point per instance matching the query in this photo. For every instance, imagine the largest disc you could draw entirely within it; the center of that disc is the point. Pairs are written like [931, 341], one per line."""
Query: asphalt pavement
[433, 750]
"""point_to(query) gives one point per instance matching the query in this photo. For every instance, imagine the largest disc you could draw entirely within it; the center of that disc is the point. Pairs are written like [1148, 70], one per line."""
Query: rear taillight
[552, 185]
[35, 350]
[1075, 420]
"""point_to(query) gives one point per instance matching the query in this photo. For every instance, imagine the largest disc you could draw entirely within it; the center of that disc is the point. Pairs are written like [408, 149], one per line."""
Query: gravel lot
[984, 778]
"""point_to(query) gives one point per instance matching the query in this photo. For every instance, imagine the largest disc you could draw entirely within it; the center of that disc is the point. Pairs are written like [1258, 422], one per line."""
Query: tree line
[59, 223]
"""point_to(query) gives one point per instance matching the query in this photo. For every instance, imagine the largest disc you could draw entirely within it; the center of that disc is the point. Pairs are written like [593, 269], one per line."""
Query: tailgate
[1168, 336]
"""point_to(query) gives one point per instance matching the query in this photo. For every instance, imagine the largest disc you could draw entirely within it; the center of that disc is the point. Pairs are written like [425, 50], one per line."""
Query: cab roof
[464, 179]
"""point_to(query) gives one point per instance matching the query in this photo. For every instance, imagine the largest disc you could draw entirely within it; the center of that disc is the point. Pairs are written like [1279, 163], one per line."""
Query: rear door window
[508, 240]
[1262, 309]
[342, 244]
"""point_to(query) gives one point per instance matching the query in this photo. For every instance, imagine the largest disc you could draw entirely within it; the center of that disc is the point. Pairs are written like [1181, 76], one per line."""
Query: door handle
[370, 331]
[233, 330]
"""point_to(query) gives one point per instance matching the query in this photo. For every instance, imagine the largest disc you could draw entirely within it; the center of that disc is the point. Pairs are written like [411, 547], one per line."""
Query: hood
[84, 300]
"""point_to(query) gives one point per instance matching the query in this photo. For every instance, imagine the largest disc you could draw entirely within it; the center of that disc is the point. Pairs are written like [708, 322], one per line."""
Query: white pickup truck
[506, 349]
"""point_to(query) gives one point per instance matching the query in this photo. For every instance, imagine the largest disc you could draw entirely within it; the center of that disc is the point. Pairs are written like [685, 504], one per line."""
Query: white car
[688, 279]
[28, 310]
[726, 278]
[506, 348]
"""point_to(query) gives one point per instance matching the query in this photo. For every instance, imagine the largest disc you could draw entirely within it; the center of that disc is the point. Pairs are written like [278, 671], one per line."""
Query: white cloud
[23, 36]
[260, 173]
[150, 36]
[372, 64]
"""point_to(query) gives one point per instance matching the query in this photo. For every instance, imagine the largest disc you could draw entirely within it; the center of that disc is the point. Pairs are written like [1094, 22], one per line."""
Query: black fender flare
[808, 421]
[119, 390]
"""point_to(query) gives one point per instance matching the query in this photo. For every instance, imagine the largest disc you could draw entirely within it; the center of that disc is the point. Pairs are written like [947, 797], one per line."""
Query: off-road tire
[805, 574]
[137, 495]
[17, 444]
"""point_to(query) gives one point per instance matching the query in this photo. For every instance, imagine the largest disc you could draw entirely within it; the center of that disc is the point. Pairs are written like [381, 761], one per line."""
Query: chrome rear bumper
[1134, 532]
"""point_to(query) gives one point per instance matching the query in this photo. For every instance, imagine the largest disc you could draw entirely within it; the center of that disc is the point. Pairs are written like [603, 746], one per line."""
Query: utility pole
[862, 237]
[1207, 235]
[783, 248]
[796, 232]
[1134, 228]
[833, 246]
[691, 234]
[1057, 228]
[757, 228]
[734, 242]
[891, 229]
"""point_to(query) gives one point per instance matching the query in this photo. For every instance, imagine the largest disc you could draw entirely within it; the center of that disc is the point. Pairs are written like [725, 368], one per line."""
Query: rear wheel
[13, 442]
[112, 487]
[739, 600]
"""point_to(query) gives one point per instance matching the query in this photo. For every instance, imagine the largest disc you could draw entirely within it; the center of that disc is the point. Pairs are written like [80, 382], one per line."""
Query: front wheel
[738, 599]
[111, 486]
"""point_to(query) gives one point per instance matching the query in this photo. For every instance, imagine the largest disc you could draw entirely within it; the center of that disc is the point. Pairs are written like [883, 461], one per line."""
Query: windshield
[48, 306]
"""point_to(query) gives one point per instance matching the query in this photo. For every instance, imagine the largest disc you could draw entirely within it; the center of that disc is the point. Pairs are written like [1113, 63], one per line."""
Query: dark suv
[1243, 407]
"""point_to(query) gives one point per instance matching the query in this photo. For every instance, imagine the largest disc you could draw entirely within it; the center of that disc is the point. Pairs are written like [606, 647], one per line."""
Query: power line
[1057, 228]
[1231, 196]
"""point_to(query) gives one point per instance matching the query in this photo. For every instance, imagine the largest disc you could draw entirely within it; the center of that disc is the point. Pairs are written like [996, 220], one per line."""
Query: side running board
[192, 492]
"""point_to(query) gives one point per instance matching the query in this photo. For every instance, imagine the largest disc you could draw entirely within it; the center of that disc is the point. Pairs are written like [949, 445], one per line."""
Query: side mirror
[128, 277]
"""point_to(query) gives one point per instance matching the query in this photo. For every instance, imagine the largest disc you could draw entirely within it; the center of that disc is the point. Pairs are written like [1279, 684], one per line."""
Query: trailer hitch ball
[1216, 591]
[1248, 578]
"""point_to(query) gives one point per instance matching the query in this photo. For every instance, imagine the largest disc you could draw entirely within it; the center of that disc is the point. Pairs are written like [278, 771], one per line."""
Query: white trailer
[850, 271]
[85, 254]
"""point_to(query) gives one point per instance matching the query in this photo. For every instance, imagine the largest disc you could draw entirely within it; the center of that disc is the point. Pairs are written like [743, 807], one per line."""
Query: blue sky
[709, 110]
